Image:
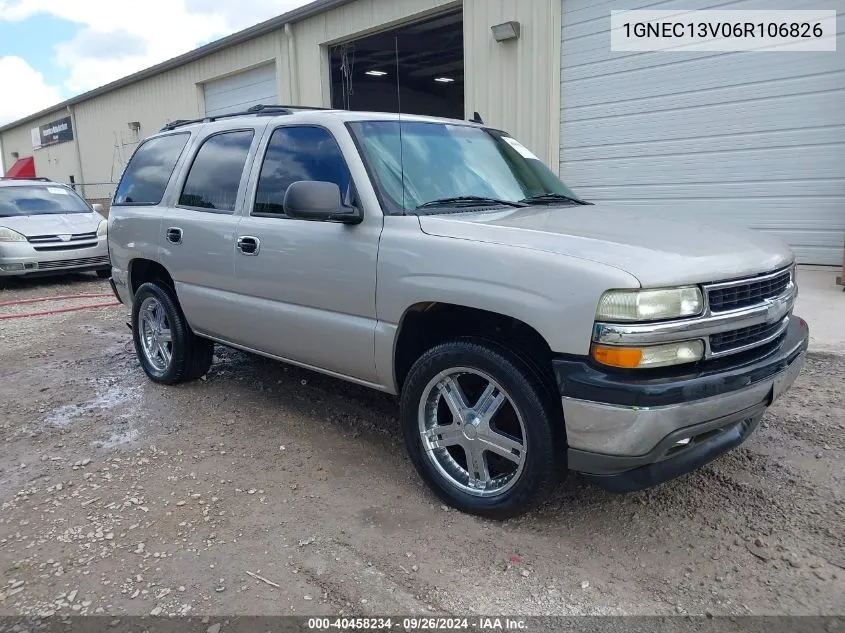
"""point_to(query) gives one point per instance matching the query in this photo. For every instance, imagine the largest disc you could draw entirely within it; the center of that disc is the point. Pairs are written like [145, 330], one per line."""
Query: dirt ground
[266, 489]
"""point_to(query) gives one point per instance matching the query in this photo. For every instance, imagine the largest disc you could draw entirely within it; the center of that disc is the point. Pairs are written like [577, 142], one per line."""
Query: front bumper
[627, 432]
[21, 259]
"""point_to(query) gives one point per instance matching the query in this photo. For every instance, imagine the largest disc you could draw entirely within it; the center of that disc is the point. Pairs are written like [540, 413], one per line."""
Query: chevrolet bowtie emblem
[776, 310]
[64, 238]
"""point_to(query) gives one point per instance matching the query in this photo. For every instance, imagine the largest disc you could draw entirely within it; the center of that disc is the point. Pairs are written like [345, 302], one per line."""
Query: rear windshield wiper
[552, 197]
[461, 201]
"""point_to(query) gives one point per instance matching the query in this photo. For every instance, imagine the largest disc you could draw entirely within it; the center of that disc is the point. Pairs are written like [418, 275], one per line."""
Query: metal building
[752, 138]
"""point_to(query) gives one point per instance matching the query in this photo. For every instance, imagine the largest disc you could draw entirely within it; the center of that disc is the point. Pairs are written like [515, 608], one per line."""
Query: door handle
[174, 235]
[249, 245]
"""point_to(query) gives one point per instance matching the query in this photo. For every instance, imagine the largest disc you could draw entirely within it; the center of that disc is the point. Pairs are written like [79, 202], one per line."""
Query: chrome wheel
[471, 432]
[154, 334]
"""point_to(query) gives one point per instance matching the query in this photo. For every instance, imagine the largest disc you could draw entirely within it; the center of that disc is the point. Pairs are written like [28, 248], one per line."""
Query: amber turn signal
[626, 357]
[650, 356]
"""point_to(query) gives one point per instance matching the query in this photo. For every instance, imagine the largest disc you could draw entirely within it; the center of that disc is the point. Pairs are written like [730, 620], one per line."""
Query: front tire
[480, 429]
[169, 352]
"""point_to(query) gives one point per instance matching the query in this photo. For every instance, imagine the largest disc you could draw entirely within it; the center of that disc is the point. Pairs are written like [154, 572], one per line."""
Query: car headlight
[103, 228]
[651, 356]
[650, 304]
[8, 235]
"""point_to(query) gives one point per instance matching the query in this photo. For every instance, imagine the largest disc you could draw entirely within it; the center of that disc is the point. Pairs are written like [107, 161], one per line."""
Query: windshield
[39, 200]
[443, 161]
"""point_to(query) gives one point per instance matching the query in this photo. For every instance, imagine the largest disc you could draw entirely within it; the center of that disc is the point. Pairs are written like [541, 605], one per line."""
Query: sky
[51, 50]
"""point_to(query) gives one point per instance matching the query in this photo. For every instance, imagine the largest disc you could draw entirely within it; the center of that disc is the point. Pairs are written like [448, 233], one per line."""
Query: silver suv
[526, 331]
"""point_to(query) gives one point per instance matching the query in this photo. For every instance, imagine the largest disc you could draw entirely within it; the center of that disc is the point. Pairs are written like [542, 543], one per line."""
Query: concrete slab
[821, 303]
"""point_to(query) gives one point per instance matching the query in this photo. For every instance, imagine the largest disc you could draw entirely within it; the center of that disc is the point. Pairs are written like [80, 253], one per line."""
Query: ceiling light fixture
[444, 80]
[376, 73]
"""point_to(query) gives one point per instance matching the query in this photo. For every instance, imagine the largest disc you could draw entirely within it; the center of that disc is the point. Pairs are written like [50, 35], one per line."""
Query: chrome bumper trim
[635, 431]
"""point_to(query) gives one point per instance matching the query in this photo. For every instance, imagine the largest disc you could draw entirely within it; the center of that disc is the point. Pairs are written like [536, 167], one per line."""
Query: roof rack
[258, 110]
[41, 178]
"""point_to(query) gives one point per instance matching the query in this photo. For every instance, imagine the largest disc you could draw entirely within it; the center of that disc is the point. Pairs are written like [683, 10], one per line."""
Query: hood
[53, 223]
[657, 251]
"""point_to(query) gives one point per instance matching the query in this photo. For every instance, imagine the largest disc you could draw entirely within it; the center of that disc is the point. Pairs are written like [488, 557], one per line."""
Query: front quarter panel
[555, 294]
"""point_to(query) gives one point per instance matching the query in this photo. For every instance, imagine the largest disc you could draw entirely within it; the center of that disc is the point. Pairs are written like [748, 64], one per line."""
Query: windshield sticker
[59, 190]
[519, 147]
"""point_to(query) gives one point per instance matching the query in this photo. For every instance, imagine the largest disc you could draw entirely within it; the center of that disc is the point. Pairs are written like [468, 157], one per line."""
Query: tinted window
[216, 173]
[294, 154]
[149, 170]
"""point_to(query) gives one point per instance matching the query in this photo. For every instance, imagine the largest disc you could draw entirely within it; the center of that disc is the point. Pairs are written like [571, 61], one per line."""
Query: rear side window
[148, 172]
[216, 173]
[294, 154]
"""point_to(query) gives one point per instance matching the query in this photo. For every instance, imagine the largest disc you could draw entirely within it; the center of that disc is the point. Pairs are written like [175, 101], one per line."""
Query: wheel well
[142, 271]
[429, 324]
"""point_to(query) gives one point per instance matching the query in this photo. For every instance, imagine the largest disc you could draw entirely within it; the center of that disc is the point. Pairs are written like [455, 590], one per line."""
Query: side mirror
[98, 208]
[320, 202]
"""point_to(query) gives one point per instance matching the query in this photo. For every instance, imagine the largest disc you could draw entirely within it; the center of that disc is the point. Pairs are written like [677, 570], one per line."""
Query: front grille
[64, 246]
[76, 237]
[747, 293]
[47, 243]
[74, 263]
[725, 341]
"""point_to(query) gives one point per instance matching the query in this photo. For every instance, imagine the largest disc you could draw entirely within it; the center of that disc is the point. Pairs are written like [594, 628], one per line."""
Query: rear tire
[169, 352]
[480, 428]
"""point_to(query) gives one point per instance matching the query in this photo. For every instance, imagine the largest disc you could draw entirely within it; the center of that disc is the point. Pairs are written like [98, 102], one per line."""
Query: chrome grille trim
[749, 291]
[770, 337]
[64, 246]
[769, 311]
[76, 237]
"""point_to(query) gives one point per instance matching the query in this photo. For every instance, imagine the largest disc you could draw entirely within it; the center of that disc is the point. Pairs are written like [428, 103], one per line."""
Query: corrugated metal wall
[516, 84]
[58, 162]
[513, 84]
[751, 138]
[106, 142]
[241, 91]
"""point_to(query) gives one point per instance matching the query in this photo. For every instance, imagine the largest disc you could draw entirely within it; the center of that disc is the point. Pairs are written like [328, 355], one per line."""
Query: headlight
[650, 305]
[103, 228]
[8, 235]
[646, 357]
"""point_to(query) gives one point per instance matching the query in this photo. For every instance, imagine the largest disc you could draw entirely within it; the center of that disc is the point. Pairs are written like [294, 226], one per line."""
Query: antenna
[401, 144]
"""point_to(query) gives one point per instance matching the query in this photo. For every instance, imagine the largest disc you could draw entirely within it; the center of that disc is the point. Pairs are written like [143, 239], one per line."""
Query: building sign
[59, 131]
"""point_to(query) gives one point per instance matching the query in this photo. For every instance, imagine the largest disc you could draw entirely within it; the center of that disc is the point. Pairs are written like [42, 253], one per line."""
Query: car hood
[53, 223]
[657, 251]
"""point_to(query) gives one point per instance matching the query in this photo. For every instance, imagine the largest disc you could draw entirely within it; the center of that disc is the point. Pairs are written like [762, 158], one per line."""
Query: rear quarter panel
[135, 230]
[133, 234]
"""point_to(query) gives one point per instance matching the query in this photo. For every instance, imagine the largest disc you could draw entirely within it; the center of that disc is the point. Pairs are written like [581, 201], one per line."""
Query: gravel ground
[266, 489]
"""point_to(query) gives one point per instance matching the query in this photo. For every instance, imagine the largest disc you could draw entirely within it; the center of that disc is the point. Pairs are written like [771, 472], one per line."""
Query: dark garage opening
[430, 69]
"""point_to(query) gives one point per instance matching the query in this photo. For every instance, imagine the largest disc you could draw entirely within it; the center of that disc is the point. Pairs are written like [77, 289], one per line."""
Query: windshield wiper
[468, 201]
[552, 197]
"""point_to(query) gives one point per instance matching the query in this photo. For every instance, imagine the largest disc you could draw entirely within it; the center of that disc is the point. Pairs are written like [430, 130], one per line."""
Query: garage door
[752, 138]
[239, 92]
